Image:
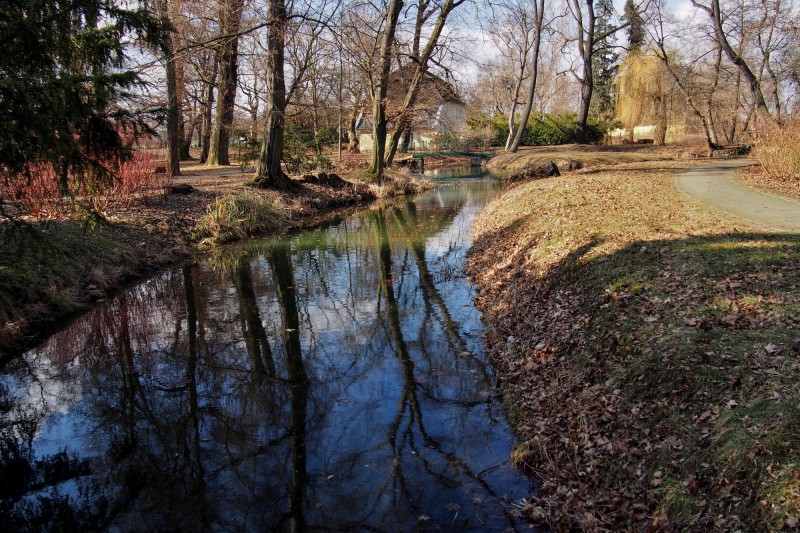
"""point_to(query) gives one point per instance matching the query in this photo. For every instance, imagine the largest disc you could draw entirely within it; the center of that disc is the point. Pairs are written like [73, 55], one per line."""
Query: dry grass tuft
[396, 183]
[778, 151]
[235, 217]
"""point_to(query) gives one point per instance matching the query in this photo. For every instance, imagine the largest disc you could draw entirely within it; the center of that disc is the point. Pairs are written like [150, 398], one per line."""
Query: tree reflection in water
[330, 380]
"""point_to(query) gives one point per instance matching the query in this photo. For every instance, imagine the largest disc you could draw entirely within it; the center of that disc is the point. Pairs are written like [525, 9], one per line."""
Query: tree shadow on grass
[691, 343]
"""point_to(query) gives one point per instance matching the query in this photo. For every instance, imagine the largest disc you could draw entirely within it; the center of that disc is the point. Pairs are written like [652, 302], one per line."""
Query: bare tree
[714, 13]
[691, 79]
[173, 101]
[587, 39]
[420, 61]
[538, 28]
[379, 86]
[230, 25]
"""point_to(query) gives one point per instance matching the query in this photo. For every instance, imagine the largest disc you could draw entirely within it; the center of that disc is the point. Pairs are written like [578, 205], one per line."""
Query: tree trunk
[228, 65]
[660, 134]
[586, 50]
[352, 134]
[173, 110]
[269, 173]
[379, 91]
[708, 122]
[208, 105]
[187, 138]
[538, 13]
[181, 92]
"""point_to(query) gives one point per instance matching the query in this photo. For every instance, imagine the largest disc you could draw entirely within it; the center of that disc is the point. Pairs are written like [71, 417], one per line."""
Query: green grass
[727, 298]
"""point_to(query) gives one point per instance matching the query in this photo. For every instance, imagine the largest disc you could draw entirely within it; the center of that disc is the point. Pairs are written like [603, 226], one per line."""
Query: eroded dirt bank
[648, 353]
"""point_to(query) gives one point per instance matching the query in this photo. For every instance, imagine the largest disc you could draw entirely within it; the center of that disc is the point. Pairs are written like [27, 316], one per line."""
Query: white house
[438, 111]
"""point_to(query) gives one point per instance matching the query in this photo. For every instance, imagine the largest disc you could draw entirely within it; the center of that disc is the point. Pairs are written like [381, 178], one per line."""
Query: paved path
[715, 185]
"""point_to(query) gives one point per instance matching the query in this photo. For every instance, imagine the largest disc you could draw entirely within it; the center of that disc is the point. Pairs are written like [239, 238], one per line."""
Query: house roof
[432, 93]
[433, 89]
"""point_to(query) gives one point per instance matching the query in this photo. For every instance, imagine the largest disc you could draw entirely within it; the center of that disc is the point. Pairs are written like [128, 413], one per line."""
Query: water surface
[330, 380]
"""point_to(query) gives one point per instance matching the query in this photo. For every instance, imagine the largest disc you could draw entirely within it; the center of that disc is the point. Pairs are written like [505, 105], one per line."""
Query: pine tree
[63, 83]
[636, 30]
[605, 63]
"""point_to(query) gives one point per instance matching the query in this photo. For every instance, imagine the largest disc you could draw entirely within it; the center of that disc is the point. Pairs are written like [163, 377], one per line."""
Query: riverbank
[647, 349]
[576, 156]
[50, 270]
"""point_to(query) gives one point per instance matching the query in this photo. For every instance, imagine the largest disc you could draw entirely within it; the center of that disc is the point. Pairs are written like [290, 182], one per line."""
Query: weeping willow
[643, 93]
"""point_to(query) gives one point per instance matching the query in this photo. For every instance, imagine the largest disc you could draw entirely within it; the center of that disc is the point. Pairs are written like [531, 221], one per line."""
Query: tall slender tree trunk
[352, 134]
[538, 13]
[269, 173]
[586, 50]
[512, 115]
[709, 126]
[228, 70]
[180, 83]
[660, 134]
[208, 106]
[379, 91]
[173, 109]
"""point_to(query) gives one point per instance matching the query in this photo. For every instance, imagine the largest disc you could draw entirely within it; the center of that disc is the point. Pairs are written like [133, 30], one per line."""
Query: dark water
[331, 380]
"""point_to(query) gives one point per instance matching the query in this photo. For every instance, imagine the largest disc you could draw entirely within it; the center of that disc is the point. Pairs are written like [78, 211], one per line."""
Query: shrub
[445, 141]
[235, 217]
[301, 152]
[778, 151]
[550, 129]
[36, 192]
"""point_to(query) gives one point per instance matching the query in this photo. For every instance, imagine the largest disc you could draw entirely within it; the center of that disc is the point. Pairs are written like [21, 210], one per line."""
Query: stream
[332, 379]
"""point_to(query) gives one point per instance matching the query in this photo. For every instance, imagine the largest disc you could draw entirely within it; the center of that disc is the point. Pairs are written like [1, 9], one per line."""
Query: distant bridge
[452, 153]
[476, 157]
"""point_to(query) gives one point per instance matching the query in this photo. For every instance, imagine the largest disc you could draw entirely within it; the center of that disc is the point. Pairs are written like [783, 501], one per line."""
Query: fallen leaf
[772, 349]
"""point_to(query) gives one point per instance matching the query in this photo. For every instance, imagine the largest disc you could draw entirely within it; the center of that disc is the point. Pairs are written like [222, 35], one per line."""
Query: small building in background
[438, 115]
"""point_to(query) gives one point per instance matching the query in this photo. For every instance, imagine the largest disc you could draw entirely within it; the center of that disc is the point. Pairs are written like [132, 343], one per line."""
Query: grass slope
[583, 156]
[648, 353]
[50, 270]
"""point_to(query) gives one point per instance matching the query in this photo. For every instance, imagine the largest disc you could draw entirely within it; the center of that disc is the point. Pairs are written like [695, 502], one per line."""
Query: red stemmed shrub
[36, 192]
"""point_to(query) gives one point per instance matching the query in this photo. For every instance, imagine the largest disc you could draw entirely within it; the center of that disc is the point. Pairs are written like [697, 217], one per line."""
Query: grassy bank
[648, 353]
[49, 270]
[571, 156]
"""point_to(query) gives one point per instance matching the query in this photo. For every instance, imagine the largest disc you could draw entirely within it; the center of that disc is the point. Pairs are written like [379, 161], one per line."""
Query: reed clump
[234, 217]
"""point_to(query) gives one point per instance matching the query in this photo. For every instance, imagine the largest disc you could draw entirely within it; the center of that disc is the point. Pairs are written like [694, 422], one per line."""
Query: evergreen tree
[636, 31]
[63, 84]
[604, 64]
